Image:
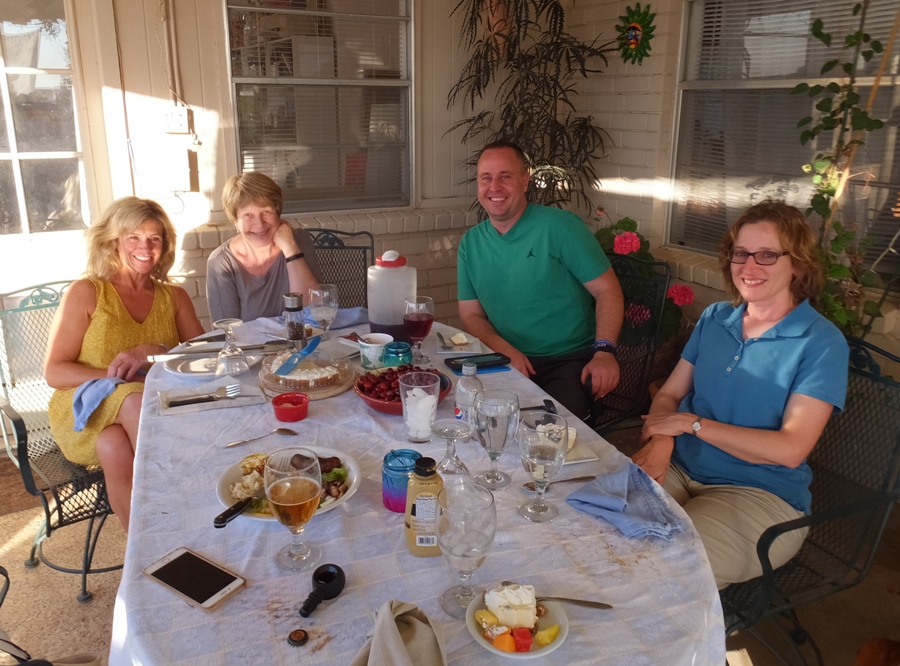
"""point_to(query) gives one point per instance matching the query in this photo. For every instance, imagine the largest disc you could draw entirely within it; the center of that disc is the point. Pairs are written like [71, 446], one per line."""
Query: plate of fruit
[508, 622]
[380, 389]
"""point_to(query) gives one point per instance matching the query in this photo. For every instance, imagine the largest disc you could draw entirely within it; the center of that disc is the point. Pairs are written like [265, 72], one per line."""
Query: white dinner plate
[233, 474]
[473, 346]
[579, 453]
[554, 615]
[200, 367]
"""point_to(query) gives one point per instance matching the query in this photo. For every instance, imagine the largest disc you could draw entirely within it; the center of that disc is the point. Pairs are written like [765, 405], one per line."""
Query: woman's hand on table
[127, 363]
[655, 457]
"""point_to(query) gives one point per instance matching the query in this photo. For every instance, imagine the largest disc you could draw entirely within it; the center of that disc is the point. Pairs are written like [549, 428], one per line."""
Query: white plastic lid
[390, 259]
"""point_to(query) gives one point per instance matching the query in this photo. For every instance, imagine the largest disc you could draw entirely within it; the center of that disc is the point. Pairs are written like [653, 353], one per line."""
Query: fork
[230, 391]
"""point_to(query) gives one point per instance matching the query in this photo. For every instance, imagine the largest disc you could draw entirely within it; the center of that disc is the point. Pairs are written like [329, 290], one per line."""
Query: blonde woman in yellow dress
[106, 327]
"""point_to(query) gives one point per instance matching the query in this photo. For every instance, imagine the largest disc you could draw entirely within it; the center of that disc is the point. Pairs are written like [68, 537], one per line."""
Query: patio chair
[855, 467]
[69, 493]
[644, 285]
[344, 258]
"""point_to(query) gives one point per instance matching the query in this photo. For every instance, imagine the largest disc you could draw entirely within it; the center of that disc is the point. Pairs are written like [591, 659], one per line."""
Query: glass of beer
[293, 486]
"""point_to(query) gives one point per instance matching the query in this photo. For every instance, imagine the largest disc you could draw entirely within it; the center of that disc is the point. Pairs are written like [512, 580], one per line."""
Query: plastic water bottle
[466, 388]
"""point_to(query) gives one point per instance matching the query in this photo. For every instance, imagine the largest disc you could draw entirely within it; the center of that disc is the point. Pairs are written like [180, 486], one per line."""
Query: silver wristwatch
[695, 426]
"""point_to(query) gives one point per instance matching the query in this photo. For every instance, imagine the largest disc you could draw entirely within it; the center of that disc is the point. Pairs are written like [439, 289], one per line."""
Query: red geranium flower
[681, 294]
[637, 314]
[626, 243]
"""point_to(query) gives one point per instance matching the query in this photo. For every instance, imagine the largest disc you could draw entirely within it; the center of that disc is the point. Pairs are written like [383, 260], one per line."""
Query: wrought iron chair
[644, 286]
[855, 466]
[68, 492]
[344, 258]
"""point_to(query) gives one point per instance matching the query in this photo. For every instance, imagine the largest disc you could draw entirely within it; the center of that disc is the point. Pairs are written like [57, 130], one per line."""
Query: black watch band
[607, 346]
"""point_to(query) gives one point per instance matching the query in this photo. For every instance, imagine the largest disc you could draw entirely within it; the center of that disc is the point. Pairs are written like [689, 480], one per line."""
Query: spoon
[277, 431]
[566, 600]
[530, 485]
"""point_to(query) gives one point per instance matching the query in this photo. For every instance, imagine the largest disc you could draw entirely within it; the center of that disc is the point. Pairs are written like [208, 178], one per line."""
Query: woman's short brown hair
[122, 217]
[797, 239]
[250, 188]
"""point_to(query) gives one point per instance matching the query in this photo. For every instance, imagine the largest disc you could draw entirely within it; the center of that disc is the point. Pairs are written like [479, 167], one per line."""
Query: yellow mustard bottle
[422, 508]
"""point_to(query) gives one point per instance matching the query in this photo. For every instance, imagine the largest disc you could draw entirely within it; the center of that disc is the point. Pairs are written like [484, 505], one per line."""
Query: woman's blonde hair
[797, 239]
[248, 189]
[122, 217]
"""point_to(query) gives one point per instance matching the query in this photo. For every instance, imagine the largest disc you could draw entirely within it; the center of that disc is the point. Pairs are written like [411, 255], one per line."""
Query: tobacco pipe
[328, 582]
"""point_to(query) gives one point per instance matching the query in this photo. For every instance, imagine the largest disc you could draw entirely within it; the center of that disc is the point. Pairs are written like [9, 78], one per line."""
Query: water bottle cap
[390, 259]
[469, 369]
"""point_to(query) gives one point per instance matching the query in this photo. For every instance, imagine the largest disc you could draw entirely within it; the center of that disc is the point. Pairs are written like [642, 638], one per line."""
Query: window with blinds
[41, 163]
[738, 141]
[322, 99]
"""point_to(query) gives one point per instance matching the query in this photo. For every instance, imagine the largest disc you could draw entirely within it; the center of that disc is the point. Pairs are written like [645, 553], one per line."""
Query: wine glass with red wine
[417, 319]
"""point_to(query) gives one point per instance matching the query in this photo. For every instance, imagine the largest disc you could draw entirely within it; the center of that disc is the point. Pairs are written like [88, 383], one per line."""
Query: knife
[294, 359]
[237, 508]
[267, 348]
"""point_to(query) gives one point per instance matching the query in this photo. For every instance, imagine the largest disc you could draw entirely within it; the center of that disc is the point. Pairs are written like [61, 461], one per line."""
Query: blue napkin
[88, 397]
[484, 371]
[345, 317]
[630, 501]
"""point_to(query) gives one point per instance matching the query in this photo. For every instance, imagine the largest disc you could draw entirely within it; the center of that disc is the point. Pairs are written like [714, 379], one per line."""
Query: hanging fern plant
[520, 52]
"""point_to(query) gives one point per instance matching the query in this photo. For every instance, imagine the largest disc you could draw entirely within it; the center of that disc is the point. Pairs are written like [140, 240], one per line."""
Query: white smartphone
[194, 578]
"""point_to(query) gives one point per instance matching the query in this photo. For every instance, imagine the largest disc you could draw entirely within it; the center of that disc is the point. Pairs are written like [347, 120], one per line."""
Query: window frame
[407, 20]
[82, 149]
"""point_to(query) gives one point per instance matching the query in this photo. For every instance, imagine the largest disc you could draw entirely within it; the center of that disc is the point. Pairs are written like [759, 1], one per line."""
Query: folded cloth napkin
[88, 397]
[629, 500]
[345, 317]
[250, 395]
[402, 636]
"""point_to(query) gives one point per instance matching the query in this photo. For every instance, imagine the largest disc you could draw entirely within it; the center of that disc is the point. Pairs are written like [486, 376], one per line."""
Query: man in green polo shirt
[534, 284]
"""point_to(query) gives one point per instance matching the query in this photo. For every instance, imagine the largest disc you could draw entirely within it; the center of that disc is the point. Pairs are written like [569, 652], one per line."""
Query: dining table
[665, 606]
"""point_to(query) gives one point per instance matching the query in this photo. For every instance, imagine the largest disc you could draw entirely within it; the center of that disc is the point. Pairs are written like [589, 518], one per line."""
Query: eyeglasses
[762, 258]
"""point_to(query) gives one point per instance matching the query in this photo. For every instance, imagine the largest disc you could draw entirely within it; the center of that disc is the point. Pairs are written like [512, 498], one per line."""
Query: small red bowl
[291, 406]
[395, 407]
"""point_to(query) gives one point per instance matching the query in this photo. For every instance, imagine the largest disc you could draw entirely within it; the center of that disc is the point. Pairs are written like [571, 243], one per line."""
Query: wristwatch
[695, 426]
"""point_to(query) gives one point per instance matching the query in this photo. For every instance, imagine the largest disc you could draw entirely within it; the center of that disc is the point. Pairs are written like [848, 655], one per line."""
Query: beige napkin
[250, 395]
[402, 636]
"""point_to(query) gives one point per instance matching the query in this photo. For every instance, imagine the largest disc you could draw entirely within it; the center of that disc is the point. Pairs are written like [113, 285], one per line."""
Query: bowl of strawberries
[380, 389]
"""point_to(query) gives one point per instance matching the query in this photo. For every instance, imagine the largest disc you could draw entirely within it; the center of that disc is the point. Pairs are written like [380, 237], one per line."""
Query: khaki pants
[730, 520]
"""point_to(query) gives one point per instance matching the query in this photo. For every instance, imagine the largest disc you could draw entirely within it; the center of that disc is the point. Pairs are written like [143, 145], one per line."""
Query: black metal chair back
[344, 258]
[644, 286]
[855, 465]
[68, 492]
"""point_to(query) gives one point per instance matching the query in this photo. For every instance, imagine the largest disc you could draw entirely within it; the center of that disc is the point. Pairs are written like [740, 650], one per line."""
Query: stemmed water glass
[451, 468]
[293, 483]
[496, 421]
[323, 306]
[418, 316]
[543, 443]
[466, 523]
[231, 360]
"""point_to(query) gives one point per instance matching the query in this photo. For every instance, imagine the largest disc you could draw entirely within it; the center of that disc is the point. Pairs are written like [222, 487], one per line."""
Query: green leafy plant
[844, 298]
[520, 52]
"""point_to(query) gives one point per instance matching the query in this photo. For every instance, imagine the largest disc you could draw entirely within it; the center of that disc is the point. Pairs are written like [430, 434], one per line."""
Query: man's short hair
[503, 143]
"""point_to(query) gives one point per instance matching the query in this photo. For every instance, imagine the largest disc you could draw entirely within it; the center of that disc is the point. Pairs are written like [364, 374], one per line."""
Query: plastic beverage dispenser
[390, 282]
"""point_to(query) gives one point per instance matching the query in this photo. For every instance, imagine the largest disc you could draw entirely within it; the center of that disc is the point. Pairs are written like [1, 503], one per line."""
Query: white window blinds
[738, 141]
[322, 99]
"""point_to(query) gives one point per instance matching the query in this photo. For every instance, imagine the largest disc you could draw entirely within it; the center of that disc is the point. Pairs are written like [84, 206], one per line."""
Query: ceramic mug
[371, 350]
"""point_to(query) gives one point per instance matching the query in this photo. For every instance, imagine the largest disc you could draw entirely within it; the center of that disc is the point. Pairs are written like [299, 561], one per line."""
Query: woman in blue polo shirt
[729, 432]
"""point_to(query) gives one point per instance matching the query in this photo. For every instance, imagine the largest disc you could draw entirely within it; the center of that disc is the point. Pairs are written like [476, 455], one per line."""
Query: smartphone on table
[194, 578]
[480, 360]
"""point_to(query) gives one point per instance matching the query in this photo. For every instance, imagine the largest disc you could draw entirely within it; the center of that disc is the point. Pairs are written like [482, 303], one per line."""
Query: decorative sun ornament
[635, 32]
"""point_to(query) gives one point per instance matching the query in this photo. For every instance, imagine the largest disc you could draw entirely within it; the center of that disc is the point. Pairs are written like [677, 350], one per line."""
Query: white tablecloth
[666, 608]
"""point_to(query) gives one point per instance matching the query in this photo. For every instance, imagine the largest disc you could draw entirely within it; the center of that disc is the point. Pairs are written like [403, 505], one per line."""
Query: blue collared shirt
[748, 383]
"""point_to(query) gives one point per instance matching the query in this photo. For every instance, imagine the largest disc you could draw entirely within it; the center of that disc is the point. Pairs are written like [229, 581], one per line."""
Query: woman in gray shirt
[247, 275]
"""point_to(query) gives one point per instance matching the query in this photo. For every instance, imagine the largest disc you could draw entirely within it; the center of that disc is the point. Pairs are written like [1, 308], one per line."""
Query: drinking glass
[496, 421]
[451, 468]
[418, 316]
[293, 483]
[231, 360]
[543, 443]
[466, 523]
[323, 306]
